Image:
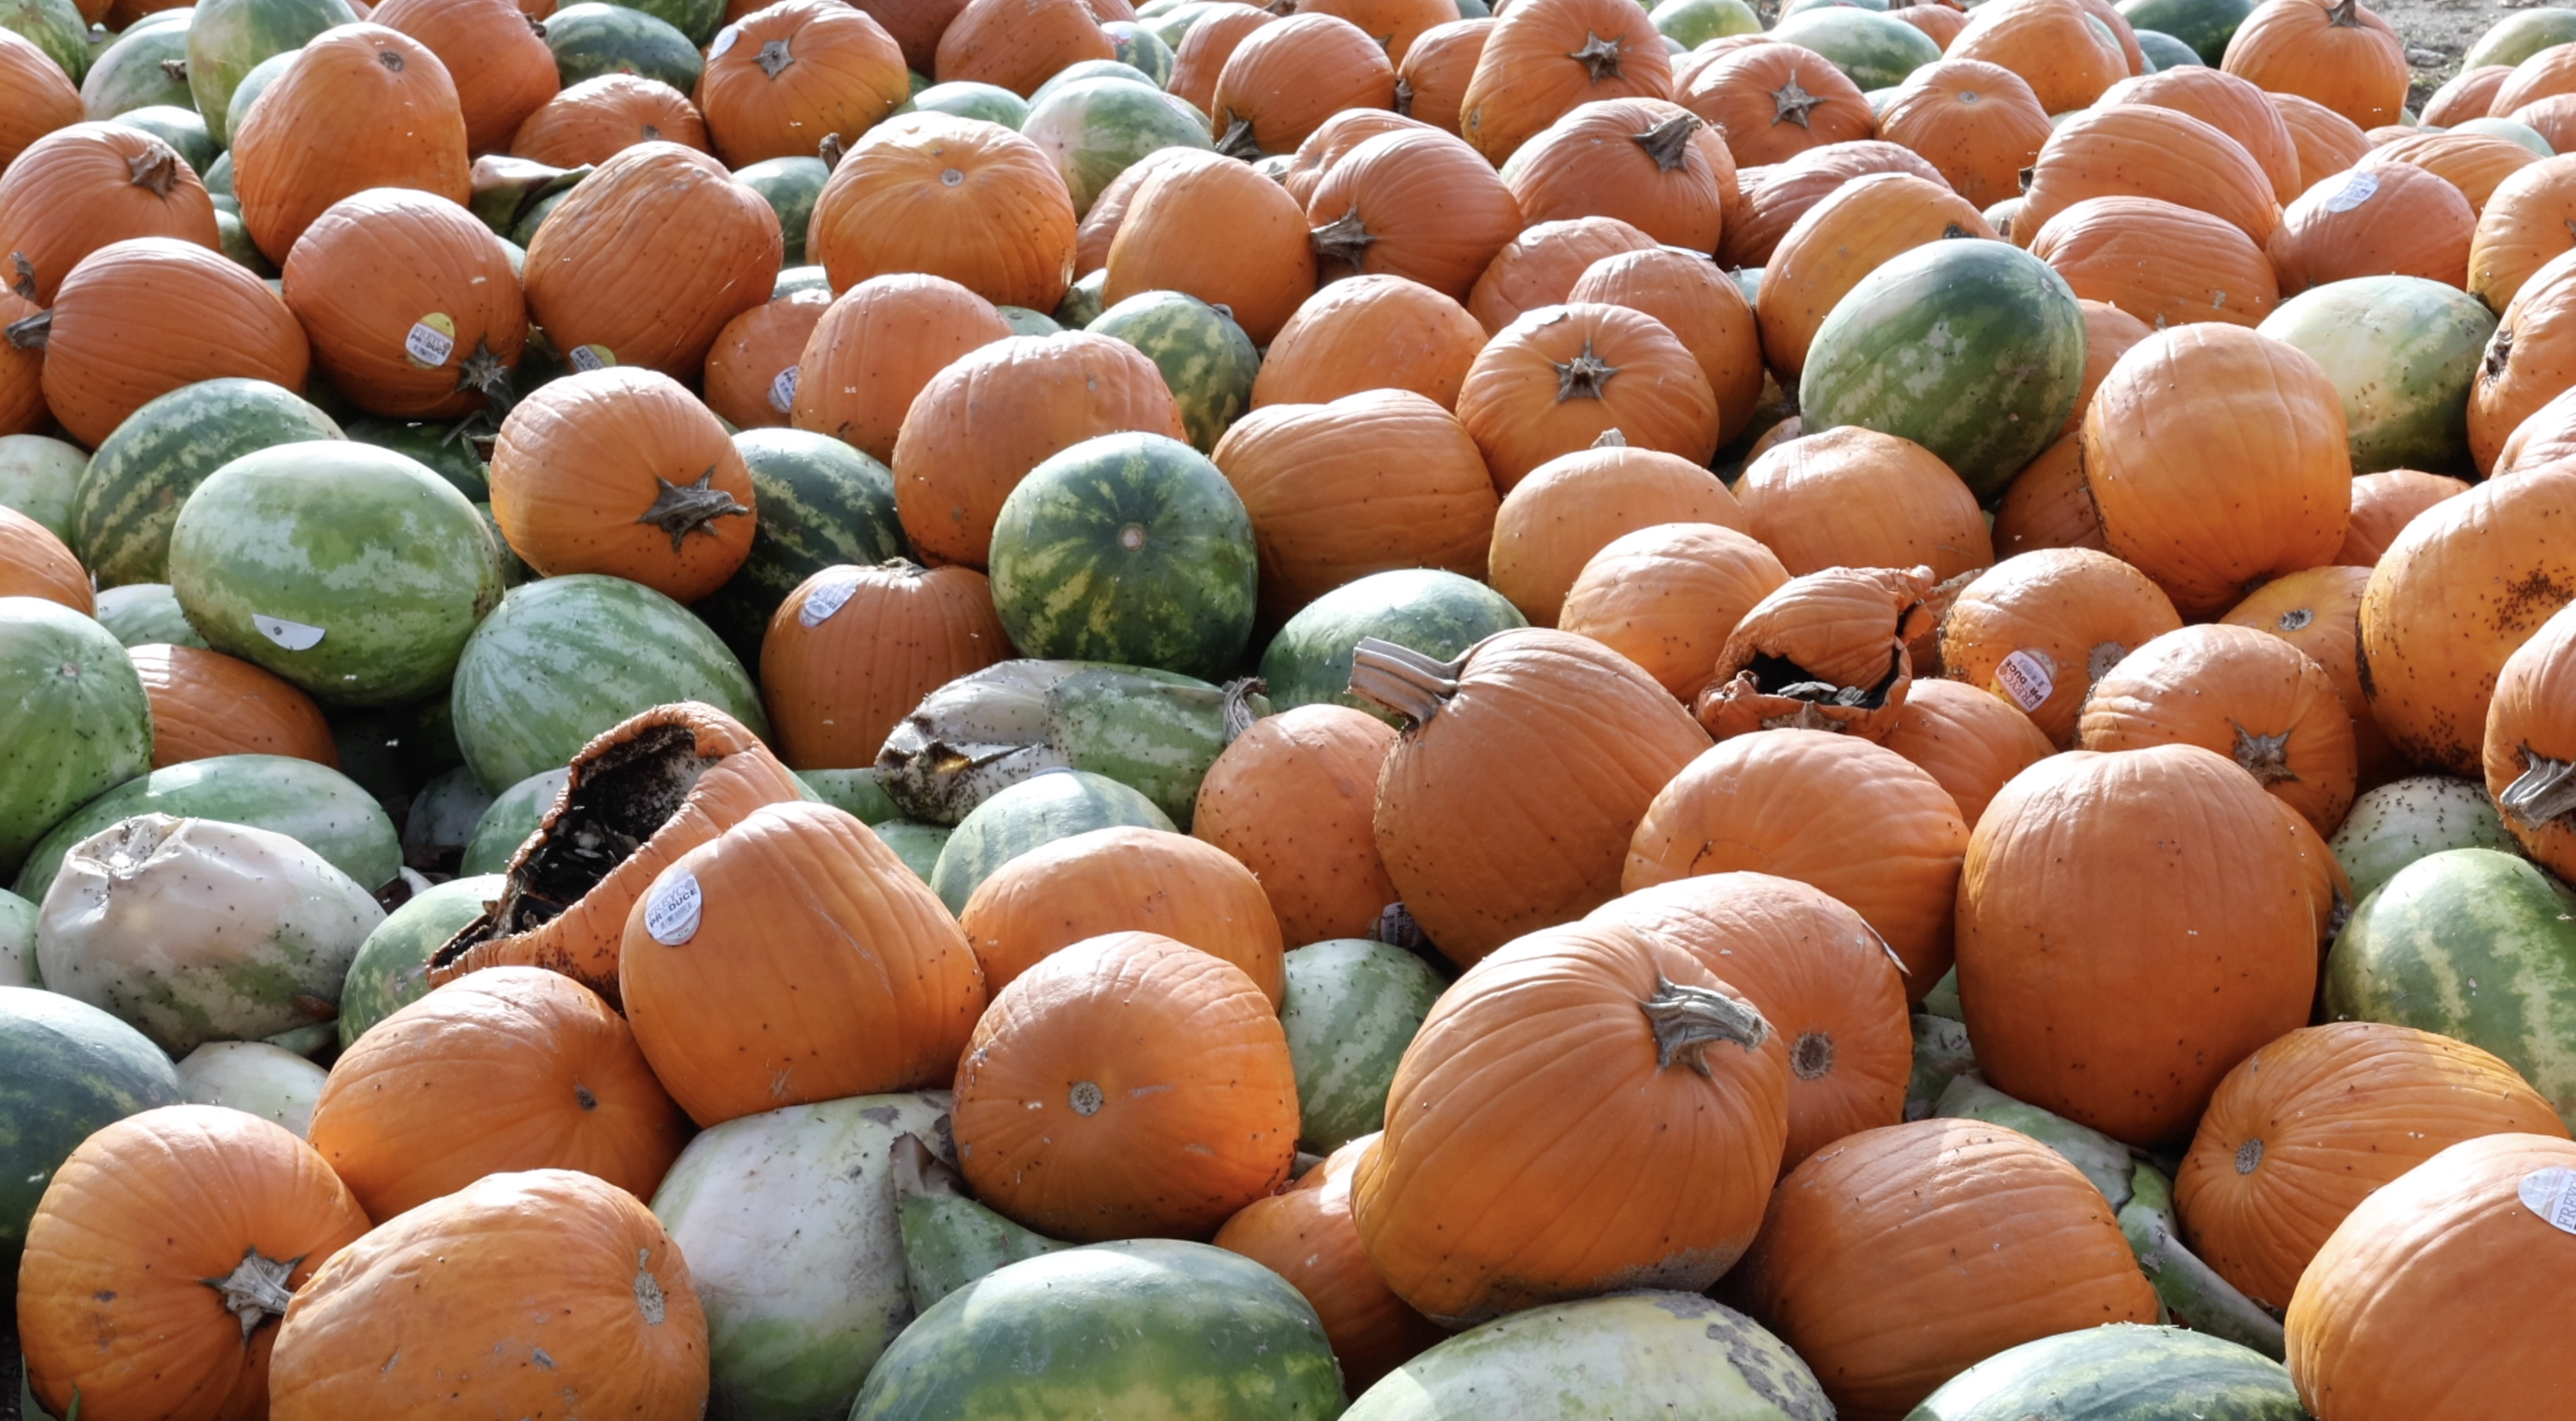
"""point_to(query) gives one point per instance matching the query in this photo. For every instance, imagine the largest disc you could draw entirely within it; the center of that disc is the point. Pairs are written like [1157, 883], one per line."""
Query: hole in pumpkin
[1812, 1055]
[1779, 676]
[1085, 1098]
[2248, 1156]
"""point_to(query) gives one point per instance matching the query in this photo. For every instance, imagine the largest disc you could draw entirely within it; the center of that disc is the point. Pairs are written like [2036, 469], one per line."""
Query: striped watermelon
[67, 1069]
[74, 722]
[218, 178]
[349, 570]
[1440, 614]
[590, 40]
[40, 477]
[1083, 301]
[54, 26]
[450, 451]
[701, 20]
[789, 186]
[1352, 1007]
[918, 845]
[950, 1240]
[2122, 1372]
[1693, 23]
[1056, 804]
[1628, 1354]
[1153, 736]
[2397, 823]
[18, 942]
[1129, 548]
[2162, 52]
[178, 127]
[966, 98]
[315, 805]
[1875, 50]
[1972, 349]
[1171, 23]
[853, 792]
[1082, 69]
[2402, 352]
[143, 613]
[2476, 945]
[252, 85]
[1141, 49]
[565, 658]
[130, 495]
[227, 38]
[2207, 25]
[1206, 359]
[1093, 129]
[822, 503]
[128, 74]
[391, 970]
[506, 824]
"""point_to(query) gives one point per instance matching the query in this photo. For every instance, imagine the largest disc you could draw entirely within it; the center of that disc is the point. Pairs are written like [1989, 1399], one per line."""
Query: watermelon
[509, 819]
[181, 128]
[2476, 945]
[1800, 7]
[2204, 25]
[1129, 548]
[1171, 23]
[255, 1078]
[40, 477]
[1206, 359]
[1628, 1354]
[234, 241]
[1025, 322]
[349, 570]
[442, 818]
[129, 497]
[1051, 805]
[1093, 128]
[1972, 349]
[129, 74]
[2122, 1372]
[1941, 1055]
[2520, 135]
[701, 20]
[965, 98]
[391, 970]
[793, 279]
[2402, 352]
[565, 658]
[789, 186]
[54, 26]
[1875, 50]
[2104, 1160]
[822, 503]
[787, 1219]
[590, 40]
[145, 613]
[313, 804]
[1084, 300]
[2518, 36]
[74, 722]
[1440, 614]
[1696, 22]
[1155, 737]
[1352, 1007]
[252, 85]
[218, 178]
[950, 1240]
[2162, 52]
[853, 792]
[1145, 1328]
[918, 845]
[226, 38]
[1141, 49]
[67, 1069]
[2397, 823]
[2192, 1292]
[455, 452]
[18, 942]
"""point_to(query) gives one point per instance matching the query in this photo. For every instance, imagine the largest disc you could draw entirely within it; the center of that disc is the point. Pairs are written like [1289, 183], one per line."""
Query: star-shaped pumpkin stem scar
[682, 509]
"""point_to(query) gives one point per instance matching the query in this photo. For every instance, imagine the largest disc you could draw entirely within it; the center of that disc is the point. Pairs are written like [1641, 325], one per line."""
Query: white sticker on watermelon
[782, 391]
[2550, 1194]
[671, 909]
[294, 636]
[829, 598]
[2027, 678]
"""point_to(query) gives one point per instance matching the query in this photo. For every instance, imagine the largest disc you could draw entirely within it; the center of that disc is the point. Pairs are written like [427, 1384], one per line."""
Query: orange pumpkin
[2472, 162]
[140, 318]
[2465, 95]
[2319, 611]
[1936, 20]
[2553, 118]
[1431, 79]
[2161, 263]
[1293, 799]
[1666, 597]
[1781, 194]
[1831, 650]
[2108, 334]
[1282, 81]
[596, 119]
[1774, 102]
[1852, 497]
[1419, 204]
[2545, 439]
[2052, 44]
[34, 563]
[1842, 239]
[411, 304]
[998, 411]
[2528, 747]
[1553, 522]
[2524, 224]
[1333, 140]
[1703, 308]
[2328, 143]
[362, 106]
[1099, 227]
[2382, 505]
[2039, 628]
[753, 371]
[2048, 504]
[1649, 162]
[853, 649]
[1541, 265]
[2530, 360]
[954, 197]
[1979, 123]
[2229, 104]
[877, 345]
[1558, 378]
[517, 1068]
[2381, 219]
[40, 97]
[160, 1257]
[1371, 333]
[85, 185]
[1122, 880]
[1569, 1036]
[494, 54]
[2136, 150]
[1544, 57]
[2545, 73]
[1211, 41]
[915, 24]
[1971, 743]
[1394, 24]
[794, 74]
[2331, 51]
[1306, 1235]
[205, 704]
[22, 380]
[1018, 43]
[1261, 272]
[2250, 696]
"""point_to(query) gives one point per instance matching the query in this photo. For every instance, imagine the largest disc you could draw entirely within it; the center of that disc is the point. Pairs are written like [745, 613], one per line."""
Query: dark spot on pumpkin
[582, 1094]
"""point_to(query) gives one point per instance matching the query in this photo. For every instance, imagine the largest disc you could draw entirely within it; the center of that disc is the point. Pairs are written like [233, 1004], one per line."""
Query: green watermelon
[312, 804]
[2162, 52]
[1696, 22]
[1352, 1007]
[918, 845]
[822, 503]
[255, 1078]
[1129, 548]
[391, 970]
[1051, 805]
[701, 20]
[1153, 736]
[2517, 36]
[442, 817]
[2476, 945]
[67, 1070]
[797, 1308]
[565, 658]
[452, 451]
[129, 74]
[227, 38]
[507, 822]
[1082, 69]
[145, 613]
[1626, 1355]
[2397, 823]
[950, 1240]
[1206, 359]
[2122, 1372]
[1083, 301]
[2204, 25]
[965, 98]
[40, 477]
[2192, 1292]
[1171, 22]
[349, 570]
[178, 127]
[218, 178]
[590, 40]
[789, 186]
[853, 792]
[1150, 1328]
[234, 241]
[1875, 50]
[1800, 7]
[254, 84]
[1972, 349]
[74, 722]
[54, 26]
[793, 279]
[1092, 129]
[1440, 614]
[2104, 1160]
[2402, 352]
[1141, 49]
[18, 942]
[130, 495]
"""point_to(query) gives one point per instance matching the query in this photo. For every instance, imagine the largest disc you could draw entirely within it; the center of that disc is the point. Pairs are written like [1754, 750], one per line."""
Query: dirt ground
[2438, 32]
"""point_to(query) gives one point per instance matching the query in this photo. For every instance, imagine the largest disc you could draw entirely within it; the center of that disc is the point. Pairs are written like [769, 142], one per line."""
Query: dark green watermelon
[1083, 301]
[456, 452]
[789, 186]
[229, 38]
[128, 74]
[181, 128]
[590, 40]
[67, 1070]
[391, 970]
[74, 721]
[2122, 1372]
[2207, 25]
[53, 26]
[130, 494]
[1440, 614]
[1873, 50]
[701, 20]
[968, 99]
[507, 822]
[1050, 805]
[822, 504]
[143, 613]
[2162, 52]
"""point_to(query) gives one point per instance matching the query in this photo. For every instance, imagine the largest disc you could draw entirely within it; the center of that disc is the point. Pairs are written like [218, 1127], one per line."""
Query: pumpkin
[2383, 219]
[854, 649]
[656, 785]
[2529, 361]
[979, 425]
[1262, 271]
[1575, 1034]
[2522, 226]
[2160, 263]
[1841, 239]
[1293, 799]
[1018, 44]
[495, 55]
[2382, 505]
[1431, 79]
[1559, 377]
[1939, 21]
[163, 1252]
[794, 74]
[2200, 930]
[752, 370]
[22, 383]
[518, 1068]
[1371, 333]
[1784, 192]
[1978, 123]
[2467, 582]
[2039, 628]
[1702, 307]
[2052, 44]
[1544, 57]
[1002, 226]
[2466, 95]
[1420, 204]
[1852, 497]
[562, 1264]
[205, 704]
[1283, 81]
[1775, 101]
[1970, 742]
[2544, 439]
[2474, 163]
[2048, 505]
[1202, 54]
[2318, 611]
[1894, 1259]
[2252, 697]
[2549, 72]
[657, 212]
[85, 185]
[2328, 143]
[2108, 334]
[2333, 52]
[41, 98]
[361, 106]
[35, 563]
[1306, 1235]
[2229, 104]
[1586, 738]
[2137, 150]
[1648, 162]
[142, 317]
[1333, 140]
[596, 119]
[1371, 482]
[1108, 212]
[1540, 266]
[2553, 118]
[1553, 522]
[1826, 651]
[2528, 749]
[1666, 597]
[1127, 1086]
[410, 302]
[877, 346]
[1122, 880]
[1394, 24]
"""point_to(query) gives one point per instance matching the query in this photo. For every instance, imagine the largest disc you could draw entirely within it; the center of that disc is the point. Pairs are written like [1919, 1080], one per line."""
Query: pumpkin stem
[2024, 176]
[829, 150]
[1791, 102]
[1239, 714]
[25, 285]
[1238, 141]
[1583, 377]
[682, 509]
[1396, 927]
[155, 168]
[773, 57]
[1403, 680]
[30, 333]
[1687, 1019]
[2544, 791]
[391, 59]
[1404, 101]
[1612, 438]
[1343, 241]
[1668, 142]
[256, 1291]
[2265, 757]
[2341, 16]
[1599, 55]
[484, 373]
[536, 27]
[175, 70]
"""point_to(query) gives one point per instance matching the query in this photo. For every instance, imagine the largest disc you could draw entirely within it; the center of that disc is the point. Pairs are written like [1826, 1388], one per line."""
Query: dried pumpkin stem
[156, 168]
[2265, 757]
[1238, 712]
[1583, 377]
[773, 57]
[829, 150]
[1688, 1020]
[1791, 102]
[1612, 438]
[1238, 141]
[483, 373]
[25, 284]
[2544, 791]
[1401, 679]
[1599, 55]
[256, 1290]
[1403, 98]
[1344, 241]
[682, 509]
[175, 70]
[2340, 15]
[30, 333]
[1669, 142]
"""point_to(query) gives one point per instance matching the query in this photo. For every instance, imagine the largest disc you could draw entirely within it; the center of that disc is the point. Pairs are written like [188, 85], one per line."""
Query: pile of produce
[993, 710]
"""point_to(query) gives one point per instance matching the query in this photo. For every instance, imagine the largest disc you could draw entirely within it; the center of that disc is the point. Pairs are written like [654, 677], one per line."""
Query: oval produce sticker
[294, 636]
[2550, 1194]
[782, 391]
[431, 340]
[829, 598]
[2026, 678]
[671, 909]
